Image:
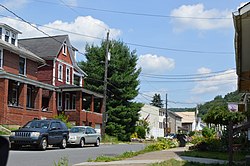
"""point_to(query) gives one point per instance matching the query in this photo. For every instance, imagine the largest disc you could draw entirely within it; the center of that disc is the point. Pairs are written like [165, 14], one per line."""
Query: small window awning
[74, 88]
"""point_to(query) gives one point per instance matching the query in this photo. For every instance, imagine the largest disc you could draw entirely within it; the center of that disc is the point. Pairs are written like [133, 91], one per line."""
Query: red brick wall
[65, 58]
[63, 82]
[45, 73]
[11, 65]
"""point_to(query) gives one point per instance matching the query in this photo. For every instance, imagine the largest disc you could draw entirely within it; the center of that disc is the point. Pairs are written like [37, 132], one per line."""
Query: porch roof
[26, 80]
[72, 88]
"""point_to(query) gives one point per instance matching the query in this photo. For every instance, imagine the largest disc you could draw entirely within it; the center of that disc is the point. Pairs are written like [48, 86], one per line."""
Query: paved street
[28, 157]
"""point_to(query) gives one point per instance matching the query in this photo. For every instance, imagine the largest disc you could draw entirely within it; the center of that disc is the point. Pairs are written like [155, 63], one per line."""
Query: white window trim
[60, 74]
[1, 57]
[25, 65]
[64, 48]
[68, 75]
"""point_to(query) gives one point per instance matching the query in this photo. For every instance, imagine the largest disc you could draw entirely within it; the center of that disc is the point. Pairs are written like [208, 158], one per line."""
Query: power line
[140, 14]
[27, 22]
[71, 8]
[134, 44]
[183, 75]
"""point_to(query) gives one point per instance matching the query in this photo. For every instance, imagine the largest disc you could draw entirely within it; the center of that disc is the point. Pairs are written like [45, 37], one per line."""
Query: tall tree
[157, 101]
[122, 85]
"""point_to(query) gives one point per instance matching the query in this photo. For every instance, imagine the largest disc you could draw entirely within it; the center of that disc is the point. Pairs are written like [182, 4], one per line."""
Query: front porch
[83, 107]
[21, 100]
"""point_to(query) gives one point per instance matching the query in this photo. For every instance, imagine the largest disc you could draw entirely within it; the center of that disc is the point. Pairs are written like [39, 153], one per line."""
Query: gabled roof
[21, 51]
[187, 117]
[48, 48]
[9, 28]
[44, 47]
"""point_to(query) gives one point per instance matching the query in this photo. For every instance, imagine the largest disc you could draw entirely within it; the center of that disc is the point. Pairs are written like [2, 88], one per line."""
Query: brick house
[20, 90]
[63, 81]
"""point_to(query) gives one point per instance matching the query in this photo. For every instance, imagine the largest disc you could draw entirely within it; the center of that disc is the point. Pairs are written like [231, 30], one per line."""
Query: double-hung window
[60, 72]
[67, 75]
[13, 38]
[22, 66]
[67, 101]
[64, 49]
[59, 101]
[73, 101]
[7, 35]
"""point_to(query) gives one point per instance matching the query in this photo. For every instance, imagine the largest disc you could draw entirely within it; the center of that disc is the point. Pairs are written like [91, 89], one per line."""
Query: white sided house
[155, 118]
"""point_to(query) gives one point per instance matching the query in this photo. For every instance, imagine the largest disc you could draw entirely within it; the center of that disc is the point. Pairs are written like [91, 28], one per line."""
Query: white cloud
[203, 70]
[215, 82]
[86, 26]
[155, 64]
[198, 10]
[14, 4]
[71, 2]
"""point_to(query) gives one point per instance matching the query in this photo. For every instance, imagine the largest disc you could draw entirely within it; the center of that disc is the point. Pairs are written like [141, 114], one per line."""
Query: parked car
[81, 135]
[171, 136]
[40, 134]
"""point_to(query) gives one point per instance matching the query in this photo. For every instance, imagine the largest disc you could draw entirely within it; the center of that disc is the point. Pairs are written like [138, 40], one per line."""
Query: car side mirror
[4, 151]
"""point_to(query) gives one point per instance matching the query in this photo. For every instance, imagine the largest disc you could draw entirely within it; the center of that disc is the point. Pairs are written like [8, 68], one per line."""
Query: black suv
[40, 134]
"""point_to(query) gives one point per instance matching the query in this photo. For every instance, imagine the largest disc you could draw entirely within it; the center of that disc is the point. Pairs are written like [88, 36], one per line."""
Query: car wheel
[63, 143]
[44, 143]
[82, 143]
[14, 146]
[97, 143]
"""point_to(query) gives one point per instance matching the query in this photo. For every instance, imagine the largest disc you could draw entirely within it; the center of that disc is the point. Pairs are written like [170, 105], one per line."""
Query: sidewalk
[153, 157]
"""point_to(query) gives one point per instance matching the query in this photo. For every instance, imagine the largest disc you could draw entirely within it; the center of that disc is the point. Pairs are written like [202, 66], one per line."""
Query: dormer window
[7, 35]
[13, 38]
[64, 50]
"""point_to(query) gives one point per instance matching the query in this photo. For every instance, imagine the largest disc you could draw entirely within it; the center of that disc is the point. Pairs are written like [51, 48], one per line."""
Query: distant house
[174, 122]
[155, 117]
[188, 120]
[39, 78]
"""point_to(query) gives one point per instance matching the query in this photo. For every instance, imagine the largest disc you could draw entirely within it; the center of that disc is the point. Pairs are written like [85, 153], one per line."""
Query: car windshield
[37, 124]
[77, 130]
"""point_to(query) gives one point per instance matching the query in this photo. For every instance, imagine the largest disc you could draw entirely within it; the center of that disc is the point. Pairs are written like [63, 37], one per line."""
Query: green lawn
[173, 162]
[215, 155]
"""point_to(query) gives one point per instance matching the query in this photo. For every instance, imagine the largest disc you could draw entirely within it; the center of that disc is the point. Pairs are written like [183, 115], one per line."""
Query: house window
[22, 65]
[73, 101]
[7, 35]
[13, 93]
[60, 72]
[64, 50]
[59, 101]
[30, 98]
[160, 125]
[13, 38]
[68, 75]
[1, 32]
[1, 58]
[67, 101]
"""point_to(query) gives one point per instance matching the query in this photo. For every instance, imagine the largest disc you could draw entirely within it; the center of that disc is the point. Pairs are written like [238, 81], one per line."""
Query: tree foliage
[219, 101]
[157, 101]
[221, 115]
[122, 85]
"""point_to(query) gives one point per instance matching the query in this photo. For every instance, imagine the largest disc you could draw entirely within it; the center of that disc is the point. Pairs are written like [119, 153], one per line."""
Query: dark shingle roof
[44, 47]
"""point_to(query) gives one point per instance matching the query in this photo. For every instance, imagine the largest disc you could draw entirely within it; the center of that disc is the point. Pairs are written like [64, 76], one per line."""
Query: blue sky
[188, 46]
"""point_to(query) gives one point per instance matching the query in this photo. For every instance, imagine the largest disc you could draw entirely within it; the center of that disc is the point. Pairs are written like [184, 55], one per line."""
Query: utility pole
[104, 114]
[166, 114]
